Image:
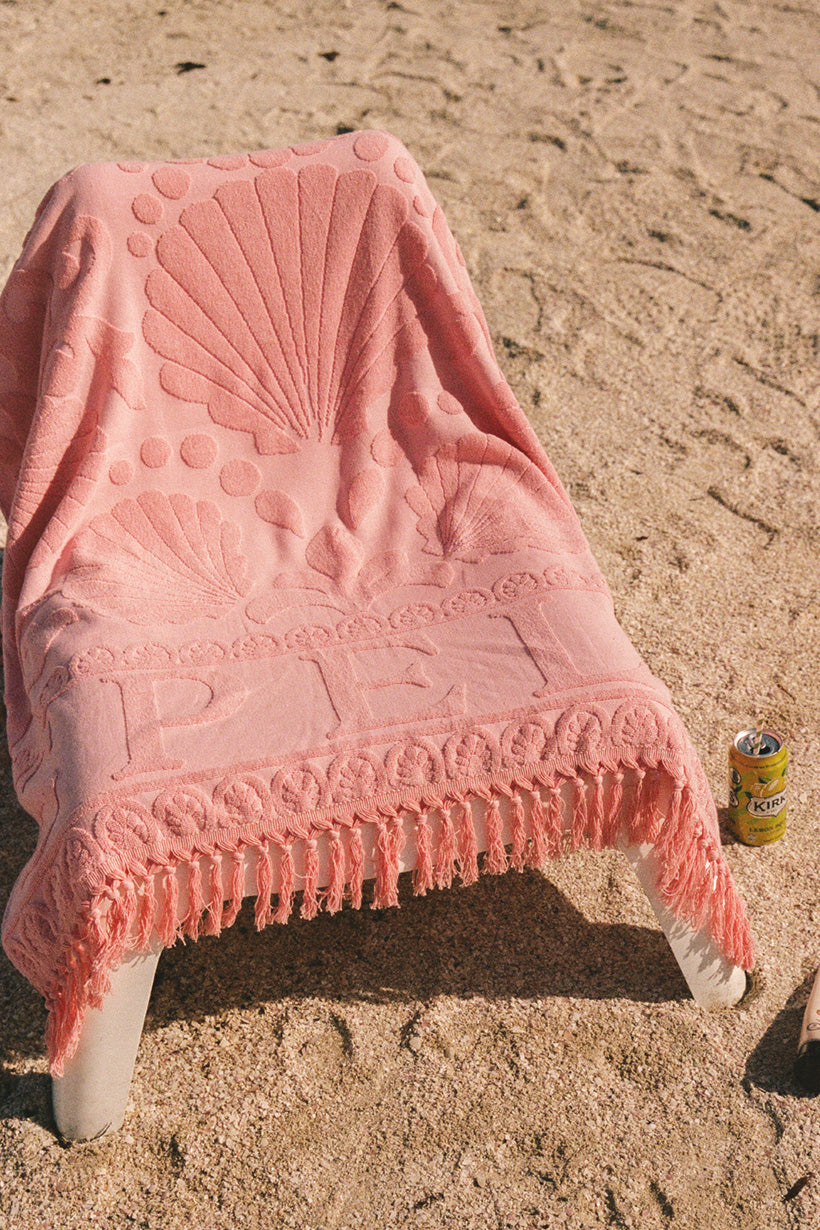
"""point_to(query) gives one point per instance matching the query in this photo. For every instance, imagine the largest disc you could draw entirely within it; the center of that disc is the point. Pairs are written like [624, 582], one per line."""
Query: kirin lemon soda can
[758, 760]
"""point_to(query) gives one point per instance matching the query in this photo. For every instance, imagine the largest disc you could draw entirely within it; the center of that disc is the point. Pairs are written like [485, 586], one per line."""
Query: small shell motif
[159, 557]
[280, 302]
[481, 496]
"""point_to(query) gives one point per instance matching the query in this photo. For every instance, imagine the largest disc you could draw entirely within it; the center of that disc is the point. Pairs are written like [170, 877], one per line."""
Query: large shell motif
[158, 558]
[480, 496]
[280, 302]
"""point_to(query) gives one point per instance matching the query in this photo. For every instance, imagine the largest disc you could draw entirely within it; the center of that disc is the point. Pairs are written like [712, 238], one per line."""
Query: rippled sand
[636, 188]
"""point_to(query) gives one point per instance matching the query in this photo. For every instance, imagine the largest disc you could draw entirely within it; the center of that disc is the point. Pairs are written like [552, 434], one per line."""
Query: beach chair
[293, 597]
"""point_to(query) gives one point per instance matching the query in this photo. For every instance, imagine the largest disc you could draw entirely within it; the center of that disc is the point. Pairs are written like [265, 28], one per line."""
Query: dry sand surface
[636, 188]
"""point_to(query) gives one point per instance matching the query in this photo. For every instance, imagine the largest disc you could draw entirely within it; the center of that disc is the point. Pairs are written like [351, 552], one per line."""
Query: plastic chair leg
[91, 1097]
[713, 981]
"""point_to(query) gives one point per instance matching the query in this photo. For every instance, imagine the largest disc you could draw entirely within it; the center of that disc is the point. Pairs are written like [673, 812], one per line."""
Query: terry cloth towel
[285, 558]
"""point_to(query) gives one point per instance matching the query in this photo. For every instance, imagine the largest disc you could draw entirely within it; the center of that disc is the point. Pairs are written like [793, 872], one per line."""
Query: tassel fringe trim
[546, 815]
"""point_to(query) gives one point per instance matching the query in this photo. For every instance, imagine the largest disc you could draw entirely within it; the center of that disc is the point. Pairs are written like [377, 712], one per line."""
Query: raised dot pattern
[230, 162]
[370, 146]
[155, 452]
[270, 158]
[239, 477]
[121, 472]
[198, 451]
[404, 170]
[172, 182]
[310, 147]
[146, 209]
[140, 244]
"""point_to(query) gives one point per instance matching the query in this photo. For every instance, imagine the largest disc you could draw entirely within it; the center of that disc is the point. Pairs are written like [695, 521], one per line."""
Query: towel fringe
[196, 902]
[447, 852]
[597, 818]
[614, 818]
[167, 927]
[538, 843]
[423, 871]
[213, 918]
[355, 879]
[310, 902]
[389, 842]
[145, 916]
[653, 806]
[580, 817]
[578, 807]
[555, 820]
[467, 843]
[287, 876]
[495, 860]
[334, 897]
[262, 914]
[637, 817]
[518, 853]
[236, 889]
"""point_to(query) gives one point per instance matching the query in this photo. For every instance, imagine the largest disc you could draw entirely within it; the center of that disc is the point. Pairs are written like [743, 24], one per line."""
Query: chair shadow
[26, 1096]
[727, 836]
[513, 936]
[771, 1064]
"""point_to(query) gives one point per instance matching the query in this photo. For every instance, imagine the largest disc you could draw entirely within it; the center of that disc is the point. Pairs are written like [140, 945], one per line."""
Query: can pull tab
[807, 1066]
[758, 742]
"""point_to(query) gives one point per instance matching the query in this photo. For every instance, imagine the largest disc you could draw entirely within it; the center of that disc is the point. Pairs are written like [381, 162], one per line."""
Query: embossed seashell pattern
[481, 496]
[280, 302]
[158, 557]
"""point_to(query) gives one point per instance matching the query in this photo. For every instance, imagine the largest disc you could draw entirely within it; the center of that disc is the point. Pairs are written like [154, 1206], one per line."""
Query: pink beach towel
[286, 558]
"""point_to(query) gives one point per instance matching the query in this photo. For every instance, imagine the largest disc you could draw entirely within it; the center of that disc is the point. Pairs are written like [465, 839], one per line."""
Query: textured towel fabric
[286, 558]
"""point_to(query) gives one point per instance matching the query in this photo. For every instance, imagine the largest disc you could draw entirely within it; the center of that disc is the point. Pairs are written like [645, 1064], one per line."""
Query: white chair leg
[90, 1098]
[712, 979]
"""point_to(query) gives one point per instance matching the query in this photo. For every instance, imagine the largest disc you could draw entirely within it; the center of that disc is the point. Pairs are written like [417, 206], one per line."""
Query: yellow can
[757, 786]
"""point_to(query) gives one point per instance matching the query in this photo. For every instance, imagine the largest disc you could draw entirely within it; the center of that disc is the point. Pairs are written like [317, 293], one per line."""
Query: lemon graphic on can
[767, 790]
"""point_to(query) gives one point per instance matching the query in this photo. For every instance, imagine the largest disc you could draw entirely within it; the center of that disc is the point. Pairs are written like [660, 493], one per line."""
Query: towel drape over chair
[286, 559]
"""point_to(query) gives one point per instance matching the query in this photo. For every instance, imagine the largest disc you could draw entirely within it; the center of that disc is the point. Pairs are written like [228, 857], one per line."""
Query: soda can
[757, 786]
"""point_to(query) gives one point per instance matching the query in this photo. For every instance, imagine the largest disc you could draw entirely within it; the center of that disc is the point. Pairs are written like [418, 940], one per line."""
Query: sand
[636, 188]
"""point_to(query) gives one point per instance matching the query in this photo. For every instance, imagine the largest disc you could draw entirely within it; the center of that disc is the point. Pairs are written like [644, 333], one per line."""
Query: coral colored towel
[286, 558]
